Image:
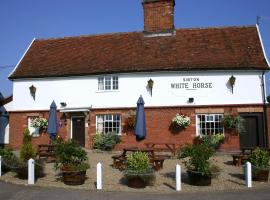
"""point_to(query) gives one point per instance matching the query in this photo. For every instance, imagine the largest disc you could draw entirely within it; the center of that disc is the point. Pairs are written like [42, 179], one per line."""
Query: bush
[105, 142]
[6, 155]
[27, 151]
[138, 161]
[213, 140]
[260, 158]
[70, 156]
[198, 158]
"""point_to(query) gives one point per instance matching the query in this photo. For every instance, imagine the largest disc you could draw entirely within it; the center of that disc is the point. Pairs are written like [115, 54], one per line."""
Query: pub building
[96, 80]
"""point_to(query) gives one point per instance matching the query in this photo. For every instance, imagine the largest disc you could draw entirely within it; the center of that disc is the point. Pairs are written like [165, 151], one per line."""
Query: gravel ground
[230, 178]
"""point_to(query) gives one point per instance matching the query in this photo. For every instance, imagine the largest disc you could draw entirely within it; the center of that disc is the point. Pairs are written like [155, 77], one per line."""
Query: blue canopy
[140, 125]
[52, 121]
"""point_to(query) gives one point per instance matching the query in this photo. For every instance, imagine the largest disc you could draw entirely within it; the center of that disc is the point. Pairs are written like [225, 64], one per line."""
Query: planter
[259, 174]
[136, 182]
[74, 177]
[139, 180]
[196, 178]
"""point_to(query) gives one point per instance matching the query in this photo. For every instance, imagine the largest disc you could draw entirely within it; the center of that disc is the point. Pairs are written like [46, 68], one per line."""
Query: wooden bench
[239, 159]
[119, 162]
[157, 162]
[47, 151]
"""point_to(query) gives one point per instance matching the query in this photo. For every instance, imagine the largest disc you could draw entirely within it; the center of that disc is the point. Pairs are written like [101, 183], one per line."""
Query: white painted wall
[83, 91]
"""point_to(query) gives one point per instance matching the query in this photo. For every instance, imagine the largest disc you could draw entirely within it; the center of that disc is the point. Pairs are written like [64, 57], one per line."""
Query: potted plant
[40, 123]
[139, 172]
[259, 159]
[179, 122]
[72, 160]
[198, 165]
[233, 123]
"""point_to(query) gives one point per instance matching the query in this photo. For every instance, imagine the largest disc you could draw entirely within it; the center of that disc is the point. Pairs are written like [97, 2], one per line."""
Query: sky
[21, 21]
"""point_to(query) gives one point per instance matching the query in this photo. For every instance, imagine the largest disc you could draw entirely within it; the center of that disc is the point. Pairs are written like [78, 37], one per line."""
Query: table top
[161, 143]
[138, 149]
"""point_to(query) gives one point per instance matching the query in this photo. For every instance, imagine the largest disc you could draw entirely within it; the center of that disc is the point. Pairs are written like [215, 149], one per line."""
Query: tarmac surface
[19, 192]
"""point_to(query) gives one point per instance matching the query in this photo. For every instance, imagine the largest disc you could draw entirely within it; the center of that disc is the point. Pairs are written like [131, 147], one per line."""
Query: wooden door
[78, 130]
[254, 134]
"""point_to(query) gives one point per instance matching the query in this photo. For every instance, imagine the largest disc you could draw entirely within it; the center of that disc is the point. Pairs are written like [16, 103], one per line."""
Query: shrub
[260, 158]
[27, 150]
[198, 158]
[105, 142]
[213, 140]
[70, 156]
[7, 155]
[138, 161]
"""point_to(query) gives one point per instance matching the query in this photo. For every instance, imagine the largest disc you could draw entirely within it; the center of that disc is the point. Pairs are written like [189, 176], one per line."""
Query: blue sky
[21, 21]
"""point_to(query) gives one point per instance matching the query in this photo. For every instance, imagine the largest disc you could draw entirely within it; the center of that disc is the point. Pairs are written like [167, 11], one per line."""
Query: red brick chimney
[158, 16]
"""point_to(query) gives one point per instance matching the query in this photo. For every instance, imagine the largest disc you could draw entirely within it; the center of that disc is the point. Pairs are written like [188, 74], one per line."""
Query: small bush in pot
[139, 173]
[72, 160]
[27, 151]
[234, 122]
[259, 159]
[198, 165]
[105, 142]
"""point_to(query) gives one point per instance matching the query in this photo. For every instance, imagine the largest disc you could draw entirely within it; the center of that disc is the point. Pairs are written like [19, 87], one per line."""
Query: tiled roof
[225, 48]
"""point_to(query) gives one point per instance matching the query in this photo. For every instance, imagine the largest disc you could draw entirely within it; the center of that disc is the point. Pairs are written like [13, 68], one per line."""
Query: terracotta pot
[196, 178]
[136, 182]
[73, 177]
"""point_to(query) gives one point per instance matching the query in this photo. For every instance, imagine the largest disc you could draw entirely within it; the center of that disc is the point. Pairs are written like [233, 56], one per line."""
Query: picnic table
[119, 161]
[162, 146]
[47, 151]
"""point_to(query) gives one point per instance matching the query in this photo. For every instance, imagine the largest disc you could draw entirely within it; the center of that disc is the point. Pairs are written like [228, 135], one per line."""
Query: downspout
[265, 113]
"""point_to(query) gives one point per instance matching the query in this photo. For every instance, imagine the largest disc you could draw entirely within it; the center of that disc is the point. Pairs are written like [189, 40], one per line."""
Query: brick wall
[158, 15]
[158, 121]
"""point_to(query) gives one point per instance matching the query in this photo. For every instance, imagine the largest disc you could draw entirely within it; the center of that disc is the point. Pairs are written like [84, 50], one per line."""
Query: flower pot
[196, 178]
[74, 177]
[136, 182]
[259, 174]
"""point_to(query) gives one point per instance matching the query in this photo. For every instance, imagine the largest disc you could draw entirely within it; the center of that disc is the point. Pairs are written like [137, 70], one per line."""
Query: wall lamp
[33, 90]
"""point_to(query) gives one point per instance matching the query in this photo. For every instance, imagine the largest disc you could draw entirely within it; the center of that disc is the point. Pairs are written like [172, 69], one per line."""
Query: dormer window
[108, 83]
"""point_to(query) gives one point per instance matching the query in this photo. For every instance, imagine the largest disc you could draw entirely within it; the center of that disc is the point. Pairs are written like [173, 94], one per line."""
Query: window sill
[106, 91]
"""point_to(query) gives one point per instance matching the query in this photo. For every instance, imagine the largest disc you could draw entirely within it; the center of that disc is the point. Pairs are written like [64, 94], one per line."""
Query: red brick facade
[158, 15]
[158, 121]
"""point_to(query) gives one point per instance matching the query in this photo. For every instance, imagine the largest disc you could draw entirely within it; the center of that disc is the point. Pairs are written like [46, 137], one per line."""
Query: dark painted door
[78, 130]
[254, 134]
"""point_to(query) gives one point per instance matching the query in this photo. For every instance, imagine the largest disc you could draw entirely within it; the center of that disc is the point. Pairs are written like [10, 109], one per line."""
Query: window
[209, 124]
[108, 83]
[108, 124]
[33, 131]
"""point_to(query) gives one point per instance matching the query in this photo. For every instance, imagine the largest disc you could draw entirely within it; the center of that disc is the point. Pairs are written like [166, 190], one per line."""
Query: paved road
[18, 192]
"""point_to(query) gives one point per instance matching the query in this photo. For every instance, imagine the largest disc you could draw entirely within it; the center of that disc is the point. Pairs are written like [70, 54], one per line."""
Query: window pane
[107, 83]
[209, 124]
[108, 123]
[101, 83]
[115, 83]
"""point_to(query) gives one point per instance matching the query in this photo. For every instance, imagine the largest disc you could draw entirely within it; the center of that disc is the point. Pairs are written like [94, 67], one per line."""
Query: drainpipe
[265, 112]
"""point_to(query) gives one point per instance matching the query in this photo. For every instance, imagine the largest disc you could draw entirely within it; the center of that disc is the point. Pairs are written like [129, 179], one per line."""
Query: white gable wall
[83, 91]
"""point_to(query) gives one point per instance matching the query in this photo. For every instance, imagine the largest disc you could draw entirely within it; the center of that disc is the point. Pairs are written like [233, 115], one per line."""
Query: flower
[181, 121]
[39, 122]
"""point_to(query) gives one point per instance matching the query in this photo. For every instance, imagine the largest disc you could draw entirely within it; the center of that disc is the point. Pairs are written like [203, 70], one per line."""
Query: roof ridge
[87, 35]
[123, 33]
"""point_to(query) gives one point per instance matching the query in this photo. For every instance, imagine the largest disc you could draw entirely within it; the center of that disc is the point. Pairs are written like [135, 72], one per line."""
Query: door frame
[71, 126]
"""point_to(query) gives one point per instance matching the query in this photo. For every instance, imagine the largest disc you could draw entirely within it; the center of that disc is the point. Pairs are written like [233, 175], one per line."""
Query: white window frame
[112, 120]
[198, 123]
[108, 83]
[34, 132]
